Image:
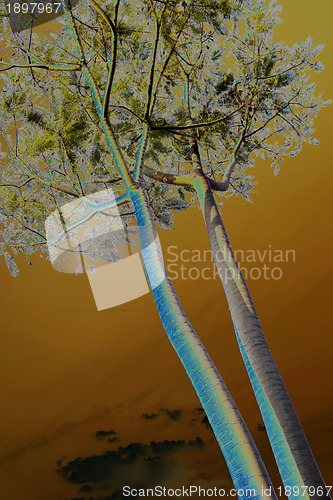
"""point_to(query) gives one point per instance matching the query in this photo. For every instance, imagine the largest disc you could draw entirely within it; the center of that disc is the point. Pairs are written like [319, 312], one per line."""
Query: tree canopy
[176, 70]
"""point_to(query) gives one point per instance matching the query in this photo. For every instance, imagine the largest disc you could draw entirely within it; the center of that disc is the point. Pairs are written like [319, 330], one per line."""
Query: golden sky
[68, 371]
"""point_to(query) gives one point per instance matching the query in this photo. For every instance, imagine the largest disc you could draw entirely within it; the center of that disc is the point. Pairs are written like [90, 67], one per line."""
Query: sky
[91, 399]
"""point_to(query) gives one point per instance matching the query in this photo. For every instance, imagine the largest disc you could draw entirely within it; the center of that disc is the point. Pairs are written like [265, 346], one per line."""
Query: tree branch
[224, 185]
[152, 63]
[112, 26]
[166, 62]
[197, 125]
[166, 178]
[141, 153]
[104, 118]
[76, 67]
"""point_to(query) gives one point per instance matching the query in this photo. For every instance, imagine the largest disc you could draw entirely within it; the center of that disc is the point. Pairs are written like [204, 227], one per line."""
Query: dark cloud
[198, 410]
[133, 449]
[197, 442]
[149, 416]
[206, 423]
[261, 427]
[172, 414]
[86, 488]
[113, 440]
[143, 465]
[166, 447]
[99, 435]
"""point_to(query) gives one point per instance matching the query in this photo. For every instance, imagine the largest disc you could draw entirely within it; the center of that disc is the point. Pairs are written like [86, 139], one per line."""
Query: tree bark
[292, 452]
[244, 462]
[242, 457]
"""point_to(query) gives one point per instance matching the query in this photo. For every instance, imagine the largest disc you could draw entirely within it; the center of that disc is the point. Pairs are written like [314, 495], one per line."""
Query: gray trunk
[292, 452]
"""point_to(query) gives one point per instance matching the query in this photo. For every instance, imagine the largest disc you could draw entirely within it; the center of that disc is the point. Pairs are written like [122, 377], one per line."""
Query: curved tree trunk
[247, 470]
[293, 455]
[242, 457]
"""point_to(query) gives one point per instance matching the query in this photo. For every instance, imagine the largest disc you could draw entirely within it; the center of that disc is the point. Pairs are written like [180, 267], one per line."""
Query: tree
[60, 149]
[139, 57]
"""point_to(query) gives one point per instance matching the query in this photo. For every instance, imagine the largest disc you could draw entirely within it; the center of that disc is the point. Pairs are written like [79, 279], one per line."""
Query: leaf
[314, 141]
[318, 67]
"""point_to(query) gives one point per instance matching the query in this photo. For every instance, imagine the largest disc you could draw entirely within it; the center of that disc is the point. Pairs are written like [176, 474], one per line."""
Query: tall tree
[50, 134]
[140, 57]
